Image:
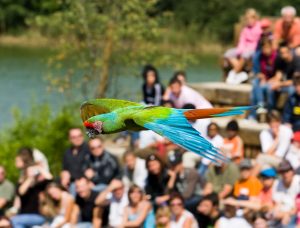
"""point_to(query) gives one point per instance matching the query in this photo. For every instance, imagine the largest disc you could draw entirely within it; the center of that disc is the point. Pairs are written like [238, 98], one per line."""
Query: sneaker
[234, 78]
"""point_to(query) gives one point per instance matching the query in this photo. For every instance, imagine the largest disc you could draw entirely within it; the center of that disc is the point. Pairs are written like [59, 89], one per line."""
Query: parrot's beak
[93, 129]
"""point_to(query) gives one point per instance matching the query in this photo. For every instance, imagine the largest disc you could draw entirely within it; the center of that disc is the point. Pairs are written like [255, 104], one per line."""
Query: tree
[99, 37]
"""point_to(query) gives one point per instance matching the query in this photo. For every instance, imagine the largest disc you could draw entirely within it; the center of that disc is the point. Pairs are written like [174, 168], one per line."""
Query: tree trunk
[107, 53]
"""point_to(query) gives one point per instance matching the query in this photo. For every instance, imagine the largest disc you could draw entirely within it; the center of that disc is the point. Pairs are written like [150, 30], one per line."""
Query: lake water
[22, 80]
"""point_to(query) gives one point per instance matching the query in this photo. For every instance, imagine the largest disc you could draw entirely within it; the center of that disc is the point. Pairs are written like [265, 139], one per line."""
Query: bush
[41, 129]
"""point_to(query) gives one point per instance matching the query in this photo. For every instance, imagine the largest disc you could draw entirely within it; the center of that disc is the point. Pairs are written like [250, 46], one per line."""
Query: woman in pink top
[248, 41]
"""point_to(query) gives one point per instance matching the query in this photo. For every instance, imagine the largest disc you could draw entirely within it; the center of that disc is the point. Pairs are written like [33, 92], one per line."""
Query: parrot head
[93, 128]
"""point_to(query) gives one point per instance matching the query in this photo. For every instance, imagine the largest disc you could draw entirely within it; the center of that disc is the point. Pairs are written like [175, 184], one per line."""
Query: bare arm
[97, 217]
[141, 218]
[225, 191]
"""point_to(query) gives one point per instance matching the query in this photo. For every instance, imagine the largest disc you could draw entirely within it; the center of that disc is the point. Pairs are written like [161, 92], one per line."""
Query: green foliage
[41, 129]
[99, 39]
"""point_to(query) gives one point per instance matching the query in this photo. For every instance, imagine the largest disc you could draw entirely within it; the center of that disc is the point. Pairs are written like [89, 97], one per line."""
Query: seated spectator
[139, 212]
[208, 211]
[181, 94]
[286, 65]
[33, 181]
[233, 145]
[135, 171]
[287, 28]
[163, 217]
[180, 217]
[181, 76]
[100, 166]
[284, 194]
[220, 179]
[73, 159]
[230, 217]
[291, 111]
[247, 186]
[157, 180]
[57, 205]
[265, 197]
[185, 181]
[293, 154]
[88, 213]
[115, 197]
[152, 88]
[259, 95]
[275, 142]
[260, 220]
[216, 139]
[247, 44]
[7, 191]
[201, 124]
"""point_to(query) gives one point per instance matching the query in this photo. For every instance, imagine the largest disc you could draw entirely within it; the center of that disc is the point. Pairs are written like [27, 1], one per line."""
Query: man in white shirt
[293, 155]
[135, 171]
[275, 142]
[182, 94]
[284, 193]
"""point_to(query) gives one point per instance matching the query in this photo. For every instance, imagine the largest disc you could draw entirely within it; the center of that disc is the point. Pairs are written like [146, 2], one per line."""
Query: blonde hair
[250, 12]
[50, 207]
[162, 212]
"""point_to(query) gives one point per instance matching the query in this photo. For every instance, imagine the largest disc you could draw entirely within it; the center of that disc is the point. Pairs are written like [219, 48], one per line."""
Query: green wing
[95, 107]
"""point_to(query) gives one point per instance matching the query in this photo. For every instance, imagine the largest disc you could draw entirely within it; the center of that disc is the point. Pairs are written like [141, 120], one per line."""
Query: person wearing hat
[293, 154]
[185, 181]
[285, 190]
[247, 186]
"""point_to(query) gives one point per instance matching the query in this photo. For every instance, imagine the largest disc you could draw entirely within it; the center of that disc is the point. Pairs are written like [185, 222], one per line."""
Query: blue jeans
[255, 62]
[27, 220]
[84, 225]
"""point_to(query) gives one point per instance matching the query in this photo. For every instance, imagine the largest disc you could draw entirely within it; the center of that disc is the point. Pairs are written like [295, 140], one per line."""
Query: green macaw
[106, 116]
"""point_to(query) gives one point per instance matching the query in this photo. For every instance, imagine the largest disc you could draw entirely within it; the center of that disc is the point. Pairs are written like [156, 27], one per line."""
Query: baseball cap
[284, 166]
[268, 172]
[175, 157]
[245, 164]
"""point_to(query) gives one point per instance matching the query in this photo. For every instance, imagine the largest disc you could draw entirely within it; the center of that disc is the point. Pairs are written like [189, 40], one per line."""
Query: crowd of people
[156, 183]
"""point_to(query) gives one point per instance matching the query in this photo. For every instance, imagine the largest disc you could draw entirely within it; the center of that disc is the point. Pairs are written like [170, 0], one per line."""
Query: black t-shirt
[30, 200]
[288, 68]
[87, 206]
[156, 185]
[206, 221]
[153, 95]
[73, 162]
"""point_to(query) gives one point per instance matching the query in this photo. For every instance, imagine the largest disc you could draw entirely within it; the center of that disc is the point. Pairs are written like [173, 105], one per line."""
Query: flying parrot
[106, 116]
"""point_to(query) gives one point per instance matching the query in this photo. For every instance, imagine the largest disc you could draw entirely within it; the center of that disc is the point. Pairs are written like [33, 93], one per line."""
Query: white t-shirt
[40, 158]
[147, 138]
[267, 140]
[217, 141]
[185, 215]
[116, 210]
[235, 222]
[201, 126]
[293, 156]
[285, 197]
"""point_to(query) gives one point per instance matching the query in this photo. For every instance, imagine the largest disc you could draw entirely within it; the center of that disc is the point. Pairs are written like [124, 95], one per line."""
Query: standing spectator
[88, 211]
[233, 145]
[181, 94]
[7, 191]
[248, 186]
[261, 83]
[284, 194]
[291, 111]
[180, 217]
[220, 179]
[57, 205]
[287, 64]
[152, 88]
[247, 44]
[157, 180]
[73, 159]
[115, 197]
[139, 212]
[287, 28]
[185, 181]
[100, 166]
[293, 155]
[275, 142]
[208, 211]
[135, 171]
[32, 183]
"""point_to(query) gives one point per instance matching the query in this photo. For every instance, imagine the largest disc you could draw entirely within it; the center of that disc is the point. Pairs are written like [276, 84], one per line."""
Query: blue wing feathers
[177, 128]
[235, 111]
